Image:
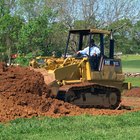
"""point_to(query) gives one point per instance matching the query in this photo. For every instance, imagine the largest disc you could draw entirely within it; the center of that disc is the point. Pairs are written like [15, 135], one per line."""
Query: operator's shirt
[93, 50]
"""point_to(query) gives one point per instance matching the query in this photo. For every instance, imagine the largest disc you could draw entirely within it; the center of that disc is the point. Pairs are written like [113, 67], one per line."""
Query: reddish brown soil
[23, 93]
[134, 92]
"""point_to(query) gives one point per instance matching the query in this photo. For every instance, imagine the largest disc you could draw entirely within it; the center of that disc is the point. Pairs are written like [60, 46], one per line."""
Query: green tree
[136, 38]
[9, 31]
[122, 30]
[34, 34]
[57, 39]
[10, 25]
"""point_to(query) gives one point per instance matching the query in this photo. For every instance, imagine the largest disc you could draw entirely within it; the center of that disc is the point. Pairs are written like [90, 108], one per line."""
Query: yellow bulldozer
[72, 79]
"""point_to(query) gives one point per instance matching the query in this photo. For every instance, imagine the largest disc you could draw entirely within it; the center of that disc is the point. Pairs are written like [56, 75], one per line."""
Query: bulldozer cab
[79, 39]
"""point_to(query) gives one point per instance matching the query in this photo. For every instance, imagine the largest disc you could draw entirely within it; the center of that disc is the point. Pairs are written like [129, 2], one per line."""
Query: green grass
[130, 57]
[83, 127]
[131, 63]
[134, 80]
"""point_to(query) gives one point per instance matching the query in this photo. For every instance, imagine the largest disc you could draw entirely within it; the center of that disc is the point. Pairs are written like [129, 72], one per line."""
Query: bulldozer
[72, 79]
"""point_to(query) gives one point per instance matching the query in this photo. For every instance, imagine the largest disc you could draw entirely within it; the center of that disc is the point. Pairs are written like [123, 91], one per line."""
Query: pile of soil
[24, 94]
[20, 79]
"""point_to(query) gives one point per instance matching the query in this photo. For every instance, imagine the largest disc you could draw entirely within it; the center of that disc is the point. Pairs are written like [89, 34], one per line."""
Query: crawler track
[90, 95]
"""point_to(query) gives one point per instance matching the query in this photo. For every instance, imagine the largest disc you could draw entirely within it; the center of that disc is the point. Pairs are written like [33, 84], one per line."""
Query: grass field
[135, 81]
[131, 63]
[85, 127]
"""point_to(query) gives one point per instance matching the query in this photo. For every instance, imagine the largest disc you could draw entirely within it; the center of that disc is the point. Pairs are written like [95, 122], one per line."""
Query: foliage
[9, 31]
[126, 35]
[9, 28]
[33, 35]
[122, 35]
[23, 59]
[34, 25]
[136, 38]
[83, 127]
[57, 39]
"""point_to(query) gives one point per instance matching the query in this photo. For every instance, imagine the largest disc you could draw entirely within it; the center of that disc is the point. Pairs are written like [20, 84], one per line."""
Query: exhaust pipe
[111, 52]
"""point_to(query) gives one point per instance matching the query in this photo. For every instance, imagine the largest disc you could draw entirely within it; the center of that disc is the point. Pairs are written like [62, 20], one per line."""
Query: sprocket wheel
[113, 99]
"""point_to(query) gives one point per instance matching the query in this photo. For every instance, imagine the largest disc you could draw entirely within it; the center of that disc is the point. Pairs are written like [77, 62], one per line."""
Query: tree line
[38, 27]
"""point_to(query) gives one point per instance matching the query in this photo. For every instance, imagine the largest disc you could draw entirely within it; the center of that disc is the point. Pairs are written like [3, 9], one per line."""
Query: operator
[94, 50]
[94, 54]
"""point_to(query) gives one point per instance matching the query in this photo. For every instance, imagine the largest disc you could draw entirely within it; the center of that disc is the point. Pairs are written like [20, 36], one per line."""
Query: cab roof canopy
[90, 31]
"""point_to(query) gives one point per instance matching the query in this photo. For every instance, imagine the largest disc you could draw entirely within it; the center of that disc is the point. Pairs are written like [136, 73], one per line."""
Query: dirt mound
[23, 93]
[20, 79]
[19, 87]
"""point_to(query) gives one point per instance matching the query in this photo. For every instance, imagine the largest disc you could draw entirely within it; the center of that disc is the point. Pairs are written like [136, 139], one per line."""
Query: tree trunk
[9, 49]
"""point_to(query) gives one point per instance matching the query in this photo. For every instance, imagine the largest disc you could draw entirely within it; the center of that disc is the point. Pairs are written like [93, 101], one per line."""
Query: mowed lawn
[85, 127]
[134, 80]
[131, 63]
